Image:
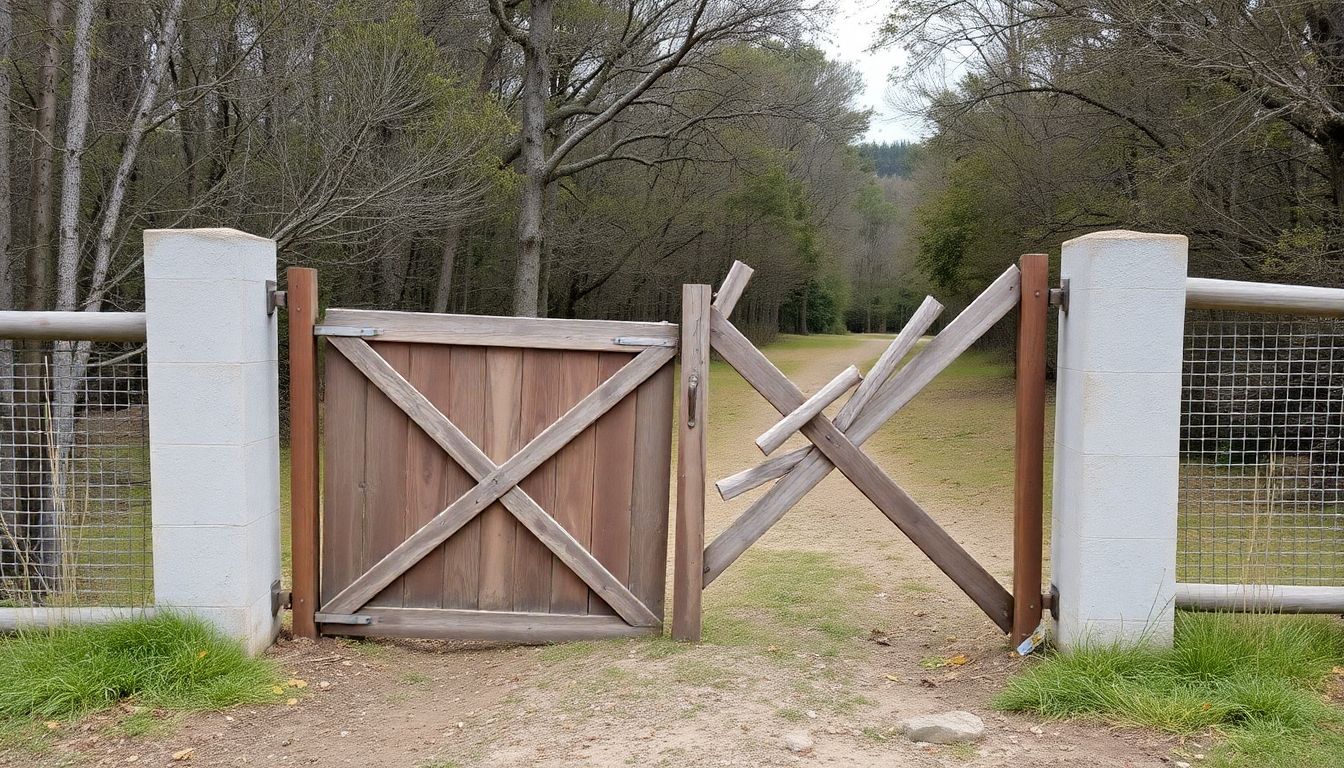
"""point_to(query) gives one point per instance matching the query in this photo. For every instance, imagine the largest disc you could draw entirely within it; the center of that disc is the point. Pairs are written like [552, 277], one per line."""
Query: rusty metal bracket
[1050, 602]
[280, 598]
[1059, 297]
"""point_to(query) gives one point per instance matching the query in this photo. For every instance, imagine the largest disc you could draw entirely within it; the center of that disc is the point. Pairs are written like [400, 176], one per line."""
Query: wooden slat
[427, 473]
[783, 429]
[614, 480]
[913, 521]
[541, 405]
[503, 413]
[738, 484]
[1029, 447]
[532, 333]
[495, 479]
[343, 474]
[691, 443]
[573, 506]
[386, 432]
[987, 309]
[498, 626]
[891, 358]
[649, 498]
[466, 409]
[731, 290]
[304, 471]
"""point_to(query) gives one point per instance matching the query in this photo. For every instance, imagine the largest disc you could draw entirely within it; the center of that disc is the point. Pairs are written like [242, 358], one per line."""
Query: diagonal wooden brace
[775, 436]
[871, 480]
[987, 309]
[497, 482]
[738, 484]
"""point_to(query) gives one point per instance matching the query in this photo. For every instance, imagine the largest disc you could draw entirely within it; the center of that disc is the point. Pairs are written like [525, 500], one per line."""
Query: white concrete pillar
[214, 429]
[1117, 438]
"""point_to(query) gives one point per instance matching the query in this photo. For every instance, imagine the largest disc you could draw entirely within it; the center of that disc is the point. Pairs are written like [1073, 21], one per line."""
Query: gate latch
[1059, 297]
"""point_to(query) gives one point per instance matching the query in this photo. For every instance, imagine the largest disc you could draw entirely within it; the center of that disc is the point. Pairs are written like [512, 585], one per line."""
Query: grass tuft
[1257, 679]
[168, 662]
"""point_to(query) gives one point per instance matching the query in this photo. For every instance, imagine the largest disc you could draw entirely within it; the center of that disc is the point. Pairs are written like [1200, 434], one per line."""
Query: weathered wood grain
[837, 450]
[343, 474]
[540, 406]
[573, 507]
[386, 431]
[466, 409]
[691, 445]
[499, 626]
[525, 332]
[731, 290]
[650, 495]
[427, 472]
[783, 429]
[990, 307]
[304, 470]
[613, 481]
[497, 479]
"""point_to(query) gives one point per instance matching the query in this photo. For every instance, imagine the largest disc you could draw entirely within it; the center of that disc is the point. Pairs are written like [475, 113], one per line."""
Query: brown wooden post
[1028, 483]
[301, 300]
[689, 578]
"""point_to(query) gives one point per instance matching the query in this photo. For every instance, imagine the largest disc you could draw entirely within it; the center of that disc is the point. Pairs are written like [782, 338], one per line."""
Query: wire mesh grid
[1261, 479]
[74, 479]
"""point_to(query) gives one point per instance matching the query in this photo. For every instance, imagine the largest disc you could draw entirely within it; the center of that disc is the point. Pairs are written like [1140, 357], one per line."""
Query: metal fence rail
[1262, 448]
[74, 490]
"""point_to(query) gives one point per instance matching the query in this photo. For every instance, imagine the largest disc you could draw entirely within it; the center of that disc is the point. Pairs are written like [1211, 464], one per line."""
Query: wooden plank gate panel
[392, 407]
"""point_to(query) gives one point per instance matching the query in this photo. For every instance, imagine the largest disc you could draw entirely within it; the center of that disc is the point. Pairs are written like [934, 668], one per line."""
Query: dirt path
[787, 639]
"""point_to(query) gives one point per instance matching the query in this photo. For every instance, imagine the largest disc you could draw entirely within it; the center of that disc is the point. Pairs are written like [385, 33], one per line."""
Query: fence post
[689, 573]
[214, 430]
[1029, 448]
[301, 290]
[1117, 438]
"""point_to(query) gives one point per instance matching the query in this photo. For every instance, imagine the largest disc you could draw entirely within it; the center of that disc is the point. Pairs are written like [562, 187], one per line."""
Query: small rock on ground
[799, 742]
[944, 728]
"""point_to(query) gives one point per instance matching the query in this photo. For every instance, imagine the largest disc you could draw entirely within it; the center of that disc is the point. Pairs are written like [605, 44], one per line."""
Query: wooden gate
[836, 444]
[489, 478]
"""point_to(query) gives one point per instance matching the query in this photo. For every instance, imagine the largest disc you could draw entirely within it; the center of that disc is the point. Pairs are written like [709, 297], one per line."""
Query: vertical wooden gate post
[1030, 445]
[688, 577]
[301, 295]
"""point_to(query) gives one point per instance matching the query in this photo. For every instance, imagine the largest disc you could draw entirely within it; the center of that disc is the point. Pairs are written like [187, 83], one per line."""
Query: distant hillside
[895, 158]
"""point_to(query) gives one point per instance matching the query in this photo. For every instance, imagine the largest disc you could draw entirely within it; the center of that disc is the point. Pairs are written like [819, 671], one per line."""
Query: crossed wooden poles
[835, 444]
[496, 482]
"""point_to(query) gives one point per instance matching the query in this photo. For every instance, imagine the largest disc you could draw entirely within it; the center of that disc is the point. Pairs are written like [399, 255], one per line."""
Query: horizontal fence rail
[1261, 515]
[73, 326]
[1208, 293]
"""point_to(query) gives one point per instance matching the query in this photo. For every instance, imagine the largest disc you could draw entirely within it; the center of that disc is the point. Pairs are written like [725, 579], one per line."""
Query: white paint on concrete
[214, 428]
[1117, 438]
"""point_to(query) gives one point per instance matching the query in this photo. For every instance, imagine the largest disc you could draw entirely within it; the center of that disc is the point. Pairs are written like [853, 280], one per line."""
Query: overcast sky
[852, 28]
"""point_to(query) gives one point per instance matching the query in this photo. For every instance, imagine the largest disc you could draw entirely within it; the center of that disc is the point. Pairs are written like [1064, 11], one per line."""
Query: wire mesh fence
[74, 479]
[1262, 450]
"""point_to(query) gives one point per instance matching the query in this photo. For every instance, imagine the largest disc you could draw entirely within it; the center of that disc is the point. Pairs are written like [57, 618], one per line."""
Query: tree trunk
[44, 147]
[532, 195]
[8, 480]
[447, 258]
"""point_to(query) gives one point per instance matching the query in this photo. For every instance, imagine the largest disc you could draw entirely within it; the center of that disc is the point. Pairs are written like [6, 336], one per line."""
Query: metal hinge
[1059, 297]
[1050, 602]
[275, 298]
[342, 618]
[280, 598]
[644, 341]
[340, 330]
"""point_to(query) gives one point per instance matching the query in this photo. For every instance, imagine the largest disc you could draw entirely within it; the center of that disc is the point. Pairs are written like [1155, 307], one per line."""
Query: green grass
[167, 662]
[1258, 680]
[789, 600]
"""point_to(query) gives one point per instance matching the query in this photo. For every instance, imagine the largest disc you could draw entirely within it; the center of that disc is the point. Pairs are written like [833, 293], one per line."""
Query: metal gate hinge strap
[275, 298]
[1059, 297]
[643, 341]
[342, 618]
[340, 330]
